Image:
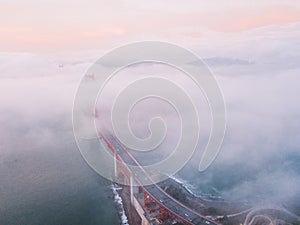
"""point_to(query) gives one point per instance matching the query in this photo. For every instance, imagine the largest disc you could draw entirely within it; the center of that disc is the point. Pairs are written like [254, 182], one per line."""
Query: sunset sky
[46, 49]
[38, 26]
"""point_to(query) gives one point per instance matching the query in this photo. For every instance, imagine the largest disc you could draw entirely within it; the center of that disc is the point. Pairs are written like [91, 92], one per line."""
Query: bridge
[151, 202]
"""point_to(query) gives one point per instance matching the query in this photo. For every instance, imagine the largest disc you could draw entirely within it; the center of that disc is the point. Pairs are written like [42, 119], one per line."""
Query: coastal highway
[175, 207]
[158, 194]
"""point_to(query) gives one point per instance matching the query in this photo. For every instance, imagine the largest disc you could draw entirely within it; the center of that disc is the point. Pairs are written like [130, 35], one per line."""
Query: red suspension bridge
[152, 203]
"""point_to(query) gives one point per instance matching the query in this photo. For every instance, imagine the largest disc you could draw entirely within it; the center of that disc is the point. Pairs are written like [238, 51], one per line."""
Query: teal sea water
[53, 185]
[276, 181]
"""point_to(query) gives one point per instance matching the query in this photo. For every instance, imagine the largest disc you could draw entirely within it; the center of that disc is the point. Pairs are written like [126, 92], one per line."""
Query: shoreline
[128, 214]
[119, 204]
[213, 209]
[184, 184]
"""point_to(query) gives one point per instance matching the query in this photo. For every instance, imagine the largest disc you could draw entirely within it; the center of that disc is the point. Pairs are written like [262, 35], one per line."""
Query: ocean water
[53, 185]
[277, 183]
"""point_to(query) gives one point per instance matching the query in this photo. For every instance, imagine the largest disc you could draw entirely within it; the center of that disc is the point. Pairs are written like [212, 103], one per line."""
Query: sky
[252, 47]
[40, 26]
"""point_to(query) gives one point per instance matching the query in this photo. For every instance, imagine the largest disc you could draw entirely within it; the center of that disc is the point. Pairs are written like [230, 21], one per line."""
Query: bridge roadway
[161, 196]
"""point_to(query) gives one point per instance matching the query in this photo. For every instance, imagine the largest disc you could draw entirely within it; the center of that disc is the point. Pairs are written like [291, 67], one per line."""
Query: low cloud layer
[259, 76]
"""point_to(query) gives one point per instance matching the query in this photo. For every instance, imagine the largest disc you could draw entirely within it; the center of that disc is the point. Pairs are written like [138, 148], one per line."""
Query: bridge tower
[123, 174]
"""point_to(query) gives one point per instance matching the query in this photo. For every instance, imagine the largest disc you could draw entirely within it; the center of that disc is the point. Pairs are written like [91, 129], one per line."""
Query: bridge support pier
[131, 189]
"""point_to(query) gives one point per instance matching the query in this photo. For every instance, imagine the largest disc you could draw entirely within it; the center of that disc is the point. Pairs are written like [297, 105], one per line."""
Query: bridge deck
[161, 196]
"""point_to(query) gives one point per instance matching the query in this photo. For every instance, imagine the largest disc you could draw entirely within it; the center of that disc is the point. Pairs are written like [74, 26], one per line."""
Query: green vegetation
[177, 193]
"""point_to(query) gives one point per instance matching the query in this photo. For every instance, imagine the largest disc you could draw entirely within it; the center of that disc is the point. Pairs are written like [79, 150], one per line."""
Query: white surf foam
[119, 201]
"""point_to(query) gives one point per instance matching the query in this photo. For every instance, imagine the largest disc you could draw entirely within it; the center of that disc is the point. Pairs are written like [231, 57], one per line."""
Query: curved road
[171, 204]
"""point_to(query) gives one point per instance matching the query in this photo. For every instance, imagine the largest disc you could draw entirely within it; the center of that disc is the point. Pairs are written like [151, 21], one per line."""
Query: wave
[191, 190]
[186, 185]
[115, 188]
